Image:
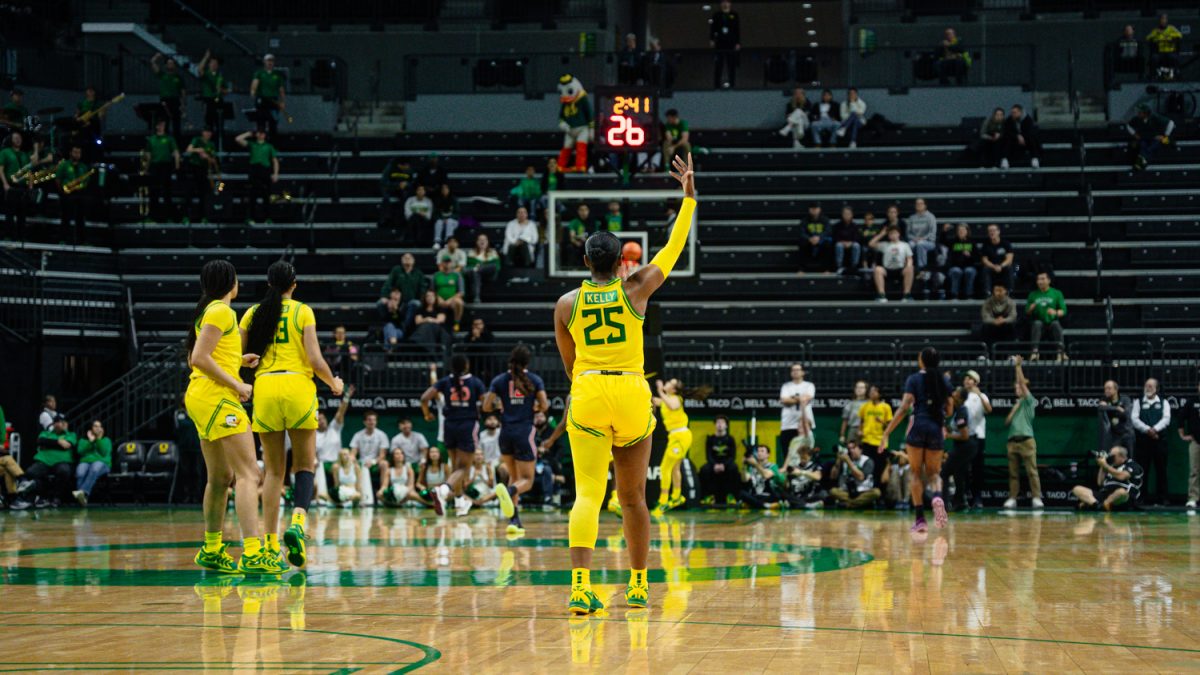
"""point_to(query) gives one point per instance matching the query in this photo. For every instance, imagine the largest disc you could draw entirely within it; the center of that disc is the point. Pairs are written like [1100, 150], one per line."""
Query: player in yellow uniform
[214, 403]
[284, 331]
[679, 443]
[598, 329]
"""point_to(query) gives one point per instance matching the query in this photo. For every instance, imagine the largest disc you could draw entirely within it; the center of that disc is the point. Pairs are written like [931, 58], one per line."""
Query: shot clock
[627, 119]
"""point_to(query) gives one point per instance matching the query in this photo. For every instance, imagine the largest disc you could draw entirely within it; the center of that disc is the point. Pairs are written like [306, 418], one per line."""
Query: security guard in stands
[162, 155]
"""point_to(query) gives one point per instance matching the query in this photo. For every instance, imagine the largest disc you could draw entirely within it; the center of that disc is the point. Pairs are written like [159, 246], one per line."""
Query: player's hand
[350, 390]
[274, 179]
[685, 174]
[429, 417]
[1018, 359]
[337, 386]
[250, 360]
[244, 391]
[883, 445]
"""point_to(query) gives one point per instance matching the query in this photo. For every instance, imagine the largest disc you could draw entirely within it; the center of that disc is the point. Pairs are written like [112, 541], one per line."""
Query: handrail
[209, 25]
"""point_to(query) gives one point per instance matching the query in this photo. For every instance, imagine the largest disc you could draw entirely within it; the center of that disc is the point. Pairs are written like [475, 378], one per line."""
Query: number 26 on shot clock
[625, 132]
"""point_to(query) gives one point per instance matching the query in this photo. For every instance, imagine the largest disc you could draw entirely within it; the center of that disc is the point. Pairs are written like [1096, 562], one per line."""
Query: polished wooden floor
[113, 590]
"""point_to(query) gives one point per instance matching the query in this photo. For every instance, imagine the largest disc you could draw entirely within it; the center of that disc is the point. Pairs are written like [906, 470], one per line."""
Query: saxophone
[78, 183]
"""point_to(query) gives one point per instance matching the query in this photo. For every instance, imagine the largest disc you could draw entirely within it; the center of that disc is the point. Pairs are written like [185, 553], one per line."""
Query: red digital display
[627, 119]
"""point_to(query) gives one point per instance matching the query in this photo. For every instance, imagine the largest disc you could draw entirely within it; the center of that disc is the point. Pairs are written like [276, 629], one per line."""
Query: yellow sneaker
[514, 531]
[293, 539]
[615, 507]
[583, 601]
[658, 511]
[637, 597]
[217, 561]
[676, 502]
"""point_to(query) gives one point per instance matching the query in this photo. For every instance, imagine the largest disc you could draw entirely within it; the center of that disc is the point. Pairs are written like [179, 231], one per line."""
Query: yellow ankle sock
[299, 518]
[581, 576]
[212, 541]
[637, 577]
[252, 545]
[272, 542]
[676, 493]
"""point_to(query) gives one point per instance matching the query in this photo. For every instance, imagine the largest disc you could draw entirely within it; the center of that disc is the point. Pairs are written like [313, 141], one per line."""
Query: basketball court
[394, 591]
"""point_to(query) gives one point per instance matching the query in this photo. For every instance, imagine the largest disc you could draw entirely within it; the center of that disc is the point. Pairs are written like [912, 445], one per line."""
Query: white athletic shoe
[853, 144]
[1010, 503]
[1034, 163]
[1004, 163]
[1191, 504]
[1037, 503]
[462, 506]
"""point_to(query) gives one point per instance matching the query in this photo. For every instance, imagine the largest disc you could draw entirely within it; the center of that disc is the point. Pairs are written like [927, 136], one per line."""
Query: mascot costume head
[575, 120]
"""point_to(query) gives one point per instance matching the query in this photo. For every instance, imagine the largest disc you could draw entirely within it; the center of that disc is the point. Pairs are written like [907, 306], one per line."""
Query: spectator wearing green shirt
[528, 191]
[171, 91]
[448, 284]
[213, 88]
[407, 279]
[163, 154]
[264, 171]
[15, 111]
[54, 459]
[14, 161]
[1045, 308]
[483, 265]
[575, 234]
[72, 177]
[203, 170]
[268, 89]
[1022, 447]
[614, 221]
[393, 190]
[676, 138]
[95, 461]
[88, 133]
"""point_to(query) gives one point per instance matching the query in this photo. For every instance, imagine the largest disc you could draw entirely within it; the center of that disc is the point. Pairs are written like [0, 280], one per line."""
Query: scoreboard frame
[627, 119]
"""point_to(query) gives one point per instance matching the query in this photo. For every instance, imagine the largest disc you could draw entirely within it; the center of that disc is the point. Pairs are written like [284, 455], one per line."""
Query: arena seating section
[748, 306]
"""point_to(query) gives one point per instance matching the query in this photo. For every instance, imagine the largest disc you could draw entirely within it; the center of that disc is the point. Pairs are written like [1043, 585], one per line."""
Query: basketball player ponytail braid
[518, 361]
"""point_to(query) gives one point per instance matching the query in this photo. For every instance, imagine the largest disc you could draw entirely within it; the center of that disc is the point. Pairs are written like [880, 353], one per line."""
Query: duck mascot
[575, 120]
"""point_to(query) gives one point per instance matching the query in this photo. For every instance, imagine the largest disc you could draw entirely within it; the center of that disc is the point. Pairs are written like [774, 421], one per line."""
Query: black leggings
[957, 465]
[44, 475]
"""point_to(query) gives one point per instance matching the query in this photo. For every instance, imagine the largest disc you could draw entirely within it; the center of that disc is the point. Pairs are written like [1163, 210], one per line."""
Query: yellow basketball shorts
[284, 401]
[679, 443]
[616, 407]
[214, 409]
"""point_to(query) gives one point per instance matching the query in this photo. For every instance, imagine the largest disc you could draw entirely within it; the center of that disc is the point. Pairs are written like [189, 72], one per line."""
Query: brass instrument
[215, 184]
[78, 183]
[21, 173]
[87, 117]
[283, 196]
[43, 175]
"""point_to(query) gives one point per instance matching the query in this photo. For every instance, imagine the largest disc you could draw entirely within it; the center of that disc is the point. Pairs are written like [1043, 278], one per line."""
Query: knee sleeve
[591, 457]
[303, 492]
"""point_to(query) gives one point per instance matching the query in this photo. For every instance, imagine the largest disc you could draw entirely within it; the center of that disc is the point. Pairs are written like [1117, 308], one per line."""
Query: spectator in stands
[53, 461]
[393, 190]
[329, 446]
[49, 412]
[1189, 431]
[429, 323]
[433, 473]
[369, 447]
[341, 354]
[719, 476]
[1164, 49]
[854, 473]
[1119, 481]
[552, 179]
[815, 241]
[659, 70]
[962, 260]
[851, 422]
[871, 233]
[1150, 416]
[394, 318]
[991, 140]
[796, 419]
[345, 480]
[432, 176]
[978, 406]
[1128, 52]
[614, 220]
[999, 316]
[1021, 137]
[15, 482]
[952, 59]
[725, 36]
[528, 191]
[892, 216]
[824, 118]
[996, 260]
[846, 236]
[445, 210]
[1113, 416]
[457, 256]
[677, 138]
[449, 287]
[1046, 308]
[1148, 131]
[407, 279]
[896, 480]
[520, 240]
[162, 157]
[412, 445]
[483, 266]
[762, 480]
[854, 116]
[1022, 447]
[15, 110]
[418, 218]
[263, 173]
[575, 234]
[95, 461]
[796, 115]
[171, 92]
[489, 442]
[922, 230]
[399, 483]
[629, 61]
[479, 346]
[895, 259]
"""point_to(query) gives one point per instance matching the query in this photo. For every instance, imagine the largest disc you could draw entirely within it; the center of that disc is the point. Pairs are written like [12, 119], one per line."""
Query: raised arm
[340, 417]
[643, 283]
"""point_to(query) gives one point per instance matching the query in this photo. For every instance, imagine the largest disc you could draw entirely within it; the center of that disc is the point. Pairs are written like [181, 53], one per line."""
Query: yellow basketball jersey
[228, 353]
[606, 328]
[674, 419]
[286, 352]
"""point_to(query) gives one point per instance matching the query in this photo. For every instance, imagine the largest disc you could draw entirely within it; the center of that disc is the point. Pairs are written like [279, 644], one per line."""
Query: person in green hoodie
[1046, 308]
[54, 458]
[529, 190]
[95, 461]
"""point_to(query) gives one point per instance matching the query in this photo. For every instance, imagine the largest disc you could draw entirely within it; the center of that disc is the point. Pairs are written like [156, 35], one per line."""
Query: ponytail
[518, 361]
[264, 323]
[217, 278]
[459, 365]
[935, 385]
